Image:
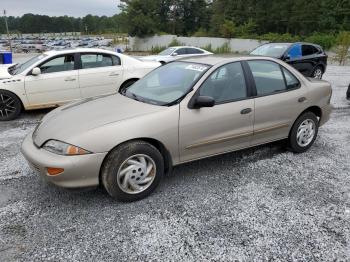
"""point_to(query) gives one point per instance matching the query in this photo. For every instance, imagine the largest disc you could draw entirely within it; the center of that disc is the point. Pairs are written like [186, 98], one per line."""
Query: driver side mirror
[202, 101]
[36, 71]
[174, 54]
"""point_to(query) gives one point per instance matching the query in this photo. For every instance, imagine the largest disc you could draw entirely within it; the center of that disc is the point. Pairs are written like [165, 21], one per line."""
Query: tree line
[31, 23]
[219, 18]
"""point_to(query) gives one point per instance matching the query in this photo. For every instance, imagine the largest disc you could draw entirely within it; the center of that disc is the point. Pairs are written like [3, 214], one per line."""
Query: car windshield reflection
[167, 84]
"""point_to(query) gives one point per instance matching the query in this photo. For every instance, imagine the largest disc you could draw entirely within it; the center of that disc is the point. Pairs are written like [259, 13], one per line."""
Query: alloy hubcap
[7, 106]
[306, 133]
[318, 74]
[136, 174]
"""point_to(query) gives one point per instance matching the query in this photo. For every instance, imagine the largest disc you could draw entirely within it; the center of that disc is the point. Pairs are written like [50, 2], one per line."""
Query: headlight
[61, 148]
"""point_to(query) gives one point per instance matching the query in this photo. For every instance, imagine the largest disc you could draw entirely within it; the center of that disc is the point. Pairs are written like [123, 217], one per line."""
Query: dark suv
[309, 59]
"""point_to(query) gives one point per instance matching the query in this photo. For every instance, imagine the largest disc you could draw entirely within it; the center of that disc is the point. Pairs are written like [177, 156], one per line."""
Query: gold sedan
[180, 112]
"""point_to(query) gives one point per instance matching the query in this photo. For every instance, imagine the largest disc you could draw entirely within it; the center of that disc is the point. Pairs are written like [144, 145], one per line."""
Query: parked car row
[42, 44]
[309, 59]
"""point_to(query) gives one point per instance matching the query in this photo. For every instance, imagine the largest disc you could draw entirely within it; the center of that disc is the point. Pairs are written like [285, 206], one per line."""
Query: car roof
[288, 43]
[219, 59]
[184, 46]
[77, 50]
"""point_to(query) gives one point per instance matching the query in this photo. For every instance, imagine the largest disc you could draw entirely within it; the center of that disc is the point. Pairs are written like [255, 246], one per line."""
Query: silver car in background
[177, 52]
[180, 112]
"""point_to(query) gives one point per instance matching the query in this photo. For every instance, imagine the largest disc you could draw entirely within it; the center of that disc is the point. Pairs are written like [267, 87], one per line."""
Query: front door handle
[246, 111]
[114, 74]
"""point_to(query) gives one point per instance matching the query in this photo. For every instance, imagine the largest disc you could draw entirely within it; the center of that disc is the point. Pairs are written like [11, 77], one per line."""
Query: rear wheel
[318, 72]
[10, 106]
[303, 133]
[132, 171]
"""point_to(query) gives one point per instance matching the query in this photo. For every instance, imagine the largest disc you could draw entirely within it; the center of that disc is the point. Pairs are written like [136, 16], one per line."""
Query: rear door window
[95, 60]
[116, 60]
[181, 51]
[291, 80]
[309, 50]
[268, 77]
[194, 51]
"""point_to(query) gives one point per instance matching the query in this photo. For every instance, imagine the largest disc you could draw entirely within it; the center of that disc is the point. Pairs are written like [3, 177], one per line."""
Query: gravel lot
[253, 205]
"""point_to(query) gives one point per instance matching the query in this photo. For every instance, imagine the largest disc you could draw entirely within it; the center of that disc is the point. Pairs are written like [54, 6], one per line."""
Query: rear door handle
[69, 79]
[246, 111]
[114, 74]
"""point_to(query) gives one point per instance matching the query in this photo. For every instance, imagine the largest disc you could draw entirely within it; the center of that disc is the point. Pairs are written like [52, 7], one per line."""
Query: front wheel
[303, 133]
[132, 171]
[318, 72]
[10, 106]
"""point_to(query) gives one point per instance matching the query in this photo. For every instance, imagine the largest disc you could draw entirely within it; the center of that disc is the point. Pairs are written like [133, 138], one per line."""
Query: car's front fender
[16, 86]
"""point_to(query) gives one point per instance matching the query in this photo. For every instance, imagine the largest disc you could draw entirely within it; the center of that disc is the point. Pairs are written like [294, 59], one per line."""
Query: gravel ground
[253, 205]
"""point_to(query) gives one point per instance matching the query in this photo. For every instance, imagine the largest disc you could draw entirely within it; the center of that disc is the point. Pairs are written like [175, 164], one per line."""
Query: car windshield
[273, 50]
[167, 84]
[22, 67]
[168, 51]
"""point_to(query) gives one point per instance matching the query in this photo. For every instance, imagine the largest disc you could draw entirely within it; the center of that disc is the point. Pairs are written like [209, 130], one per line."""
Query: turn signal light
[53, 171]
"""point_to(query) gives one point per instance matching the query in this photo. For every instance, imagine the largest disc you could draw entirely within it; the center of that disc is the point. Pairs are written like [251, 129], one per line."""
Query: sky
[76, 8]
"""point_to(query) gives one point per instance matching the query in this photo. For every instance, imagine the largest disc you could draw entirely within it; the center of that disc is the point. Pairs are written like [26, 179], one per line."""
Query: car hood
[4, 73]
[67, 122]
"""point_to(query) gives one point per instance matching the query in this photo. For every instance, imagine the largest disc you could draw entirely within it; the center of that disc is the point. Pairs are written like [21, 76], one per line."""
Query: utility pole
[7, 30]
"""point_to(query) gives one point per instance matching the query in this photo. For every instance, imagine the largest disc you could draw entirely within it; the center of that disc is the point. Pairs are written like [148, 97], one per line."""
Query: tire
[126, 85]
[139, 180]
[318, 72]
[307, 135]
[10, 106]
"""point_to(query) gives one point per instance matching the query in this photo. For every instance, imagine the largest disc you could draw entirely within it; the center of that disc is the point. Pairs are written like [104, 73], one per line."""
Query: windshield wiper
[133, 96]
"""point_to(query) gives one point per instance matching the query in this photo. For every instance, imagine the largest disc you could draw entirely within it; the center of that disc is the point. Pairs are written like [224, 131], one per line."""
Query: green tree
[228, 29]
[343, 46]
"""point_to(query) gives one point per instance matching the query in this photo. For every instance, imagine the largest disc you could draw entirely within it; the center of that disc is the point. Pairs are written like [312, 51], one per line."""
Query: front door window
[58, 64]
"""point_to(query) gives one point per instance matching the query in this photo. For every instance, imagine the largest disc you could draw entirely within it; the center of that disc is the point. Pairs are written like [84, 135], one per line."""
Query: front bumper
[79, 171]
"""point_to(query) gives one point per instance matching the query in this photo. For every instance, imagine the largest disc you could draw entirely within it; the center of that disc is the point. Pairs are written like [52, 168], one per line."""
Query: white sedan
[176, 52]
[57, 77]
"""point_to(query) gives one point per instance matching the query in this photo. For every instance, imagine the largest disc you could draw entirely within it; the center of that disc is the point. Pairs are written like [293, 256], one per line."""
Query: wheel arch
[313, 109]
[168, 163]
[22, 105]
[320, 65]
